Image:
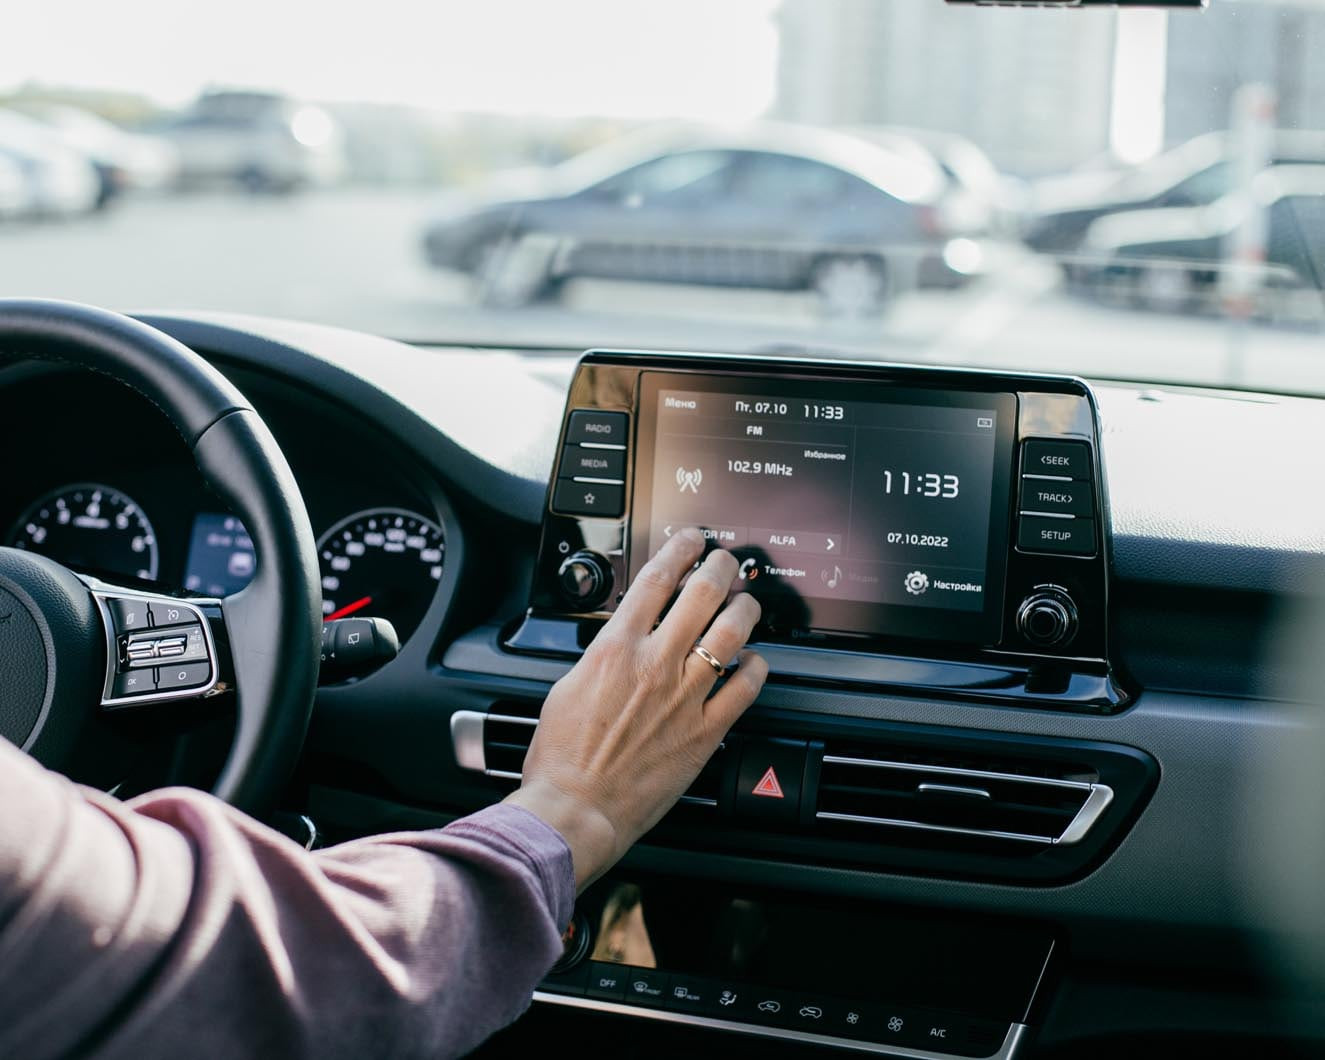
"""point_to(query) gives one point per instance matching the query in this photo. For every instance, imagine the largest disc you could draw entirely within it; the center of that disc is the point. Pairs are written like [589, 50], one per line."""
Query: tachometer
[90, 527]
[385, 563]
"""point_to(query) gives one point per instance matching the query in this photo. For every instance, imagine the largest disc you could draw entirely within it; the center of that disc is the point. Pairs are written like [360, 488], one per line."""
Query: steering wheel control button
[607, 981]
[1065, 460]
[135, 683]
[1067, 536]
[583, 462]
[768, 781]
[181, 644]
[645, 986]
[184, 675]
[1052, 497]
[589, 498]
[597, 428]
[130, 615]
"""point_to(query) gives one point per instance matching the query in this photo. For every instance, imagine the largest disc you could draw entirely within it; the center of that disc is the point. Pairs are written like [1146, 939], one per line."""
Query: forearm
[180, 927]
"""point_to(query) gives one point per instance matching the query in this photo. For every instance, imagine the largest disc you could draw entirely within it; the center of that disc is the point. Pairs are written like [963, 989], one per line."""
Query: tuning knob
[585, 579]
[1048, 617]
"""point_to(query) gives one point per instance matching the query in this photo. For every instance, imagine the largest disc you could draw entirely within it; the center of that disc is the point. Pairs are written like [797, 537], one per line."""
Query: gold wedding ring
[709, 658]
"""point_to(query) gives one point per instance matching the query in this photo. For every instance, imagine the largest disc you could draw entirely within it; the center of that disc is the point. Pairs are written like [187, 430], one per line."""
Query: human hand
[625, 732]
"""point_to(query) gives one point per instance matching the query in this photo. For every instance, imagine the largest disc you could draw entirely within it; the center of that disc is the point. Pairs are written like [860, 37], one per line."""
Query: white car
[15, 195]
[61, 181]
[263, 141]
[126, 160]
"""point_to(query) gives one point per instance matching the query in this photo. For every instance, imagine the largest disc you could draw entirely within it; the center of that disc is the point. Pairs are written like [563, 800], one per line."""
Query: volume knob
[585, 579]
[1047, 618]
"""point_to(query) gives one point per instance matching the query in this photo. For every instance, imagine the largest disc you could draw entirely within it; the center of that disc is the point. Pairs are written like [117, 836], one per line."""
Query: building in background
[1033, 91]
[1237, 42]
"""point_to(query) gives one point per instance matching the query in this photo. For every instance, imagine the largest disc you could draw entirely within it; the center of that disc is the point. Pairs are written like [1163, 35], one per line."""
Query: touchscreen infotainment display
[853, 507]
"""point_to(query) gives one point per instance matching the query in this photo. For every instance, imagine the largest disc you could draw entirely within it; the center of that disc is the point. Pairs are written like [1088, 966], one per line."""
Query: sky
[551, 57]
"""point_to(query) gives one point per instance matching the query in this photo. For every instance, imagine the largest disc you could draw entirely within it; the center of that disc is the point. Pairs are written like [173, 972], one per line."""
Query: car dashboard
[1018, 779]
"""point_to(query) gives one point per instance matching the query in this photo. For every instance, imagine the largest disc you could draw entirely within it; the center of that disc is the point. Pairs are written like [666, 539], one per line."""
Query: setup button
[1071, 537]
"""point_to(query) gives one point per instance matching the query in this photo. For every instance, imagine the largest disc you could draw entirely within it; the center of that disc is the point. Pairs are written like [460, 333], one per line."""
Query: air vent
[495, 744]
[967, 798]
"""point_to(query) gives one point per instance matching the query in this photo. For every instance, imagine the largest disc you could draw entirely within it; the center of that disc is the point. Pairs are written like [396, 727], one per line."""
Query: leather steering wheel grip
[274, 624]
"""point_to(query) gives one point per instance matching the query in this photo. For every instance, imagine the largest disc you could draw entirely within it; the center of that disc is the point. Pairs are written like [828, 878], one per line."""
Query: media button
[599, 428]
[581, 462]
[1064, 459]
[589, 498]
[1057, 498]
[1072, 537]
[608, 980]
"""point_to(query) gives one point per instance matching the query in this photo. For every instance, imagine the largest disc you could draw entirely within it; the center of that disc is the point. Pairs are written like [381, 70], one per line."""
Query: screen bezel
[842, 617]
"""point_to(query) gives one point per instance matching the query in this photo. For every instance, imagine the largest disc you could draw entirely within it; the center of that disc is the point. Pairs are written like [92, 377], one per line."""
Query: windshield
[1130, 194]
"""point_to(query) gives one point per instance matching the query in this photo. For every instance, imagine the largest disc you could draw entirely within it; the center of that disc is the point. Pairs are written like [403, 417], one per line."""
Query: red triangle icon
[768, 786]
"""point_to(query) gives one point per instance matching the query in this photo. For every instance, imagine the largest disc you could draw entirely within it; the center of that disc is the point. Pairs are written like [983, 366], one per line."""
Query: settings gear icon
[916, 582]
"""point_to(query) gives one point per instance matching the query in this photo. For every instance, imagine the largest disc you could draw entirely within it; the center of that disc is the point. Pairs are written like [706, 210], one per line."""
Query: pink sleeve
[176, 926]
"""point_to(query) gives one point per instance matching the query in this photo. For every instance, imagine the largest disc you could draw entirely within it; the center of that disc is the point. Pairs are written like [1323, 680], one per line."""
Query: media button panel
[591, 477]
[1056, 510]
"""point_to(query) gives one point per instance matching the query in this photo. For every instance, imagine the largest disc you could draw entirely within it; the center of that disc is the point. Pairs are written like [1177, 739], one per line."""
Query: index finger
[657, 581]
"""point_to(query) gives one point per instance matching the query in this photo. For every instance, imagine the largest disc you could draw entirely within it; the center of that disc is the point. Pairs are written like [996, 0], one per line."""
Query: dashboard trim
[1011, 1046]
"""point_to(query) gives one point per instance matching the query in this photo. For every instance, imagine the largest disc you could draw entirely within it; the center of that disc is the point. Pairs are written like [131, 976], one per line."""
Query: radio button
[580, 462]
[589, 498]
[1071, 537]
[602, 428]
[1057, 498]
[1065, 459]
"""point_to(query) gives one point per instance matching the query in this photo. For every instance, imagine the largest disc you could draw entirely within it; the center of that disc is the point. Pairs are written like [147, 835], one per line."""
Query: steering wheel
[77, 652]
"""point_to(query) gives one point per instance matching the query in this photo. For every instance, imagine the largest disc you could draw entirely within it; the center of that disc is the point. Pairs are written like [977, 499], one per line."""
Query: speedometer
[383, 563]
[92, 528]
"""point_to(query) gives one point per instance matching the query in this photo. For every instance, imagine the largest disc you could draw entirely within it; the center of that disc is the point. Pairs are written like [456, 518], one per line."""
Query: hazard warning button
[768, 783]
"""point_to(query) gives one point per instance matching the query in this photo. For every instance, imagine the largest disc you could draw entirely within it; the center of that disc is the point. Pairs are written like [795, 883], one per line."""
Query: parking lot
[351, 258]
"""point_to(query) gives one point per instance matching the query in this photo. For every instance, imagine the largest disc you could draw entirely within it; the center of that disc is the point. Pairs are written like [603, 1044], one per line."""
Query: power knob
[1047, 618]
[585, 579]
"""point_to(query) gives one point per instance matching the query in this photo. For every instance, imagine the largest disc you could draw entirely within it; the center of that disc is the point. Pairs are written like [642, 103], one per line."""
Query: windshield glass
[1127, 194]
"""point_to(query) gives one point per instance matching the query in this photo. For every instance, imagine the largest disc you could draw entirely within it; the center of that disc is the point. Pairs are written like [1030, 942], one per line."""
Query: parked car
[15, 196]
[979, 197]
[124, 160]
[768, 206]
[1172, 259]
[262, 141]
[61, 182]
[1196, 173]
